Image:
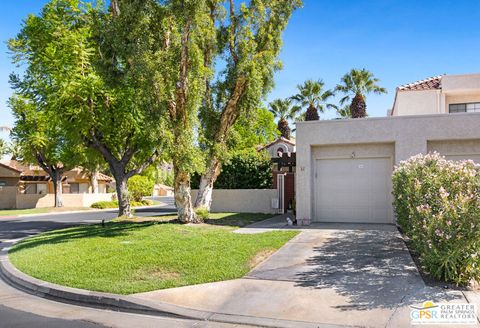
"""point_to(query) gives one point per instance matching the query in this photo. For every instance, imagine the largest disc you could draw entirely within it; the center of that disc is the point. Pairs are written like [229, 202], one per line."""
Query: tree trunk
[123, 196]
[94, 182]
[183, 198]
[57, 187]
[358, 107]
[204, 196]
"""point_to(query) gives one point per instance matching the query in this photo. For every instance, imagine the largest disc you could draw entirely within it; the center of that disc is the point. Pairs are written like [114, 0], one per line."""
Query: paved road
[18, 227]
[13, 318]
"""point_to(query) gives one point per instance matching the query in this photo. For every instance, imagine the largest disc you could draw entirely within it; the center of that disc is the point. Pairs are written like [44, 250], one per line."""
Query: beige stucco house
[28, 186]
[344, 167]
[438, 95]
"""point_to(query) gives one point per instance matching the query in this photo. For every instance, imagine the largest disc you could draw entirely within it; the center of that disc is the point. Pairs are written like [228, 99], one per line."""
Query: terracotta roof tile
[431, 83]
[34, 170]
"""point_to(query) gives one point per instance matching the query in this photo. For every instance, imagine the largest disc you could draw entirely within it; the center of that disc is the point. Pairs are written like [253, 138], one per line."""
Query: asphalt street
[18, 227]
[10, 318]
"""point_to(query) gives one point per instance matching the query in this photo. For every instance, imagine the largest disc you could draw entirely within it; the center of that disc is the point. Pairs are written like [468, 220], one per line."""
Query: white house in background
[344, 167]
[441, 94]
[280, 146]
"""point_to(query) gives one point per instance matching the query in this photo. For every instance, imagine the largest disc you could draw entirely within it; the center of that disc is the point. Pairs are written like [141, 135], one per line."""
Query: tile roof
[431, 83]
[290, 141]
[35, 170]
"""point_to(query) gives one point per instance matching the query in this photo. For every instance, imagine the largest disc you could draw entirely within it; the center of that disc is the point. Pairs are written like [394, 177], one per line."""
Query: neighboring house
[439, 95]
[282, 152]
[162, 190]
[344, 167]
[24, 186]
[279, 146]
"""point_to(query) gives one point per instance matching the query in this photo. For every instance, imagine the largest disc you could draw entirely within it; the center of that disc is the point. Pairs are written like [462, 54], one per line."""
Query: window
[30, 188]
[74, 188]
[465, 108]
[41, 188]
[83, 188]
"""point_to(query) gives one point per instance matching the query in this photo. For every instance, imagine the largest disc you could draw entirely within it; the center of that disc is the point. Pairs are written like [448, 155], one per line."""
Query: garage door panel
[353, 190]
[475, 158]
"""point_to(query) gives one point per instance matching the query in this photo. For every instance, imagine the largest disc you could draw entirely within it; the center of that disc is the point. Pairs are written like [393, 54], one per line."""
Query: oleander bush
[437, 204]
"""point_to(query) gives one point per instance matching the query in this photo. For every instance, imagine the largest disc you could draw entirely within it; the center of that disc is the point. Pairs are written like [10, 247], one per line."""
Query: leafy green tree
[15, 151]
[4, 149]
[39, 136]
[311, 94]
[249, 41]
[250, 132]
[284, 110]
[83, 69]
[356, 85]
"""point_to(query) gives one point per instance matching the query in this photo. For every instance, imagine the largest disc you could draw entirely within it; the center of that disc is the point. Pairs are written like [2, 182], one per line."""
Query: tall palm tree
[356, 85]
[312, 95]
[284, 110]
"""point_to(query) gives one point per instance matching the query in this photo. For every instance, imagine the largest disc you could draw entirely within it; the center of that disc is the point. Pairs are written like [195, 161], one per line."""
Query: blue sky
[399, 41]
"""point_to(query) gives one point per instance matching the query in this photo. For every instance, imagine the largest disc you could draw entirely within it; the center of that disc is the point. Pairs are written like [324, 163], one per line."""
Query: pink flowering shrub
[437, 204]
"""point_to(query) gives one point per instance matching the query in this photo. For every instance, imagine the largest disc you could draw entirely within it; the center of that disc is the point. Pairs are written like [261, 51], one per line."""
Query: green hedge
[437, 203]
[114, 204]
[250, 170]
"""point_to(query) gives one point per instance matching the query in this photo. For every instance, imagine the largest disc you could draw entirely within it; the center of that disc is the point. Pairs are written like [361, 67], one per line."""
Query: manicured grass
[127, 258]
[41, 210]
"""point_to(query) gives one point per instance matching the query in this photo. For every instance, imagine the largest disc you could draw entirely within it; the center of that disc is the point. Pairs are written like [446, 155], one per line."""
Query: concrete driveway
[345, 275]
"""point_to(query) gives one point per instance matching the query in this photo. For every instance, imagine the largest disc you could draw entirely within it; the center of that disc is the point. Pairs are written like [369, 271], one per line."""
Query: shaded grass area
[41, 210]
[220, 219]
[125, 257]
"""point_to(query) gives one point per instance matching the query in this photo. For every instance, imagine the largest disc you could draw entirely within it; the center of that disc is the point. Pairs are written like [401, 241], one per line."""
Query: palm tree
[356, 85]
[312, 96]
[284, 111]
[344, 112]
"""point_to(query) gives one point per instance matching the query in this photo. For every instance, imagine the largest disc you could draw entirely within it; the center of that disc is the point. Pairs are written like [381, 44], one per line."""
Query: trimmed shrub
[437, 204]
[114, 204]
[202, 213]
[140, 186]
[246, 170]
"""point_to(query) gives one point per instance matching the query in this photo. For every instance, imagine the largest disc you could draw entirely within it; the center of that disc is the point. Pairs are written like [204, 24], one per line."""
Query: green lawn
[40, 210]
[125, 257]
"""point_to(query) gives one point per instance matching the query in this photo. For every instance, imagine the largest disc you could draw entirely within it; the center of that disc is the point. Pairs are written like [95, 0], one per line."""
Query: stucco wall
[7, 197]
[242, 200]
[409, 134]
[461, 98]
[417, 103]
[461, 83]
[69, 200]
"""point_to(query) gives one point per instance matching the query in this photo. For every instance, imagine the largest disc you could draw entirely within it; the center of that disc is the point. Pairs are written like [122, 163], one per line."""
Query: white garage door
[353, 190]
[474, 157]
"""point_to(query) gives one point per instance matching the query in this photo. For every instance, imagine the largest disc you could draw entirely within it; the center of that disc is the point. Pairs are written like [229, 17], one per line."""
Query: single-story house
[24, 186]
[162, 190]
[344, 167]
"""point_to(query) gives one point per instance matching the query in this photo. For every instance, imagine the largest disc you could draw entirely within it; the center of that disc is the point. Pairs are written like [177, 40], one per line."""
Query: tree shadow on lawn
[113, 229]
[371, 268]
[237, 219]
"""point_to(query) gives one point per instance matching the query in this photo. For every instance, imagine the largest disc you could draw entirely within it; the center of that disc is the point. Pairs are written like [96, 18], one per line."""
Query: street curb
[130, 304]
